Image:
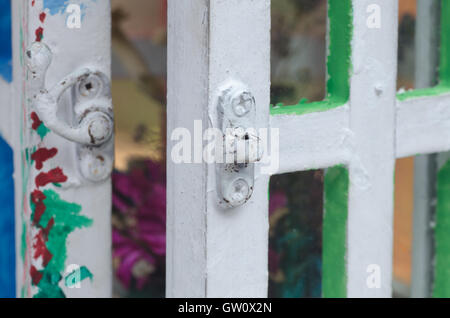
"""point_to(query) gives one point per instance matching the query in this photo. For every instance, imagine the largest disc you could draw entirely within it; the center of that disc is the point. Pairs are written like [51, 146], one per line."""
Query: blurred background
[298, 66]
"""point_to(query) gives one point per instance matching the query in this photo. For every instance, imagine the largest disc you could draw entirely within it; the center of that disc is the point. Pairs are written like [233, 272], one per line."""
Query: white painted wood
[313, 141]
[217, 253]
[372, 121]
[423, 126]
[88, 46]
[187, 100]
[214, 252]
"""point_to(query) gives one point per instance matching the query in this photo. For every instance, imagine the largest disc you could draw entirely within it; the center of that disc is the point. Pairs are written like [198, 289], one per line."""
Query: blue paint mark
[7, 240]
[6, 40]
[59, 6]
[56, 6]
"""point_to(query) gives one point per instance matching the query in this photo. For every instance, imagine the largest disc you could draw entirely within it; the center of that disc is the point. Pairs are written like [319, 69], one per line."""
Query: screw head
[240, 190]
[95, 167]
[243, 104]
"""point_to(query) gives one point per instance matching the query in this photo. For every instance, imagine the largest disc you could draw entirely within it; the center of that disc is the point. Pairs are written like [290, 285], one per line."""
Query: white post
[372, 120]
[211, 251]
[63, 226]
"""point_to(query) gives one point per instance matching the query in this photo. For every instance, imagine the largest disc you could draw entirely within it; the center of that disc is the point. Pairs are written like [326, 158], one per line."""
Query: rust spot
[90, 135]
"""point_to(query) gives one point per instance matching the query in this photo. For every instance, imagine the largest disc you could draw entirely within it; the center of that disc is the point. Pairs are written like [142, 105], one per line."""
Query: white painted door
[219, 54]
[61, 132]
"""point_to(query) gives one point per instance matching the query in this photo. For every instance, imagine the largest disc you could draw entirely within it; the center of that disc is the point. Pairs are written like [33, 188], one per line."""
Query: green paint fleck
[66, 218]
[42, 131]
[305, 108]
[334, 277]
[23, 241]
[340, 17]
[441, 287]
[424, 92]
[78, 276]
[58, 185]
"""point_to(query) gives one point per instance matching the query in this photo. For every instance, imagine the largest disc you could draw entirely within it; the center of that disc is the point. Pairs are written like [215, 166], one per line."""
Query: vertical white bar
[237, 239]
[213, 252]
[187, 101]
[372, 118]
[425, 166]
[5, 110]
[87, 246]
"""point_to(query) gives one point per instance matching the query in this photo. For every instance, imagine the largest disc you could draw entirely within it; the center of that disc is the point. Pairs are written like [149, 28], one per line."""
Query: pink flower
[139, 247]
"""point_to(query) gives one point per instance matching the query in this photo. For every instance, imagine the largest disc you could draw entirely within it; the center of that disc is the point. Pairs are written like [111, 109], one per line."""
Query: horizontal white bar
[423, 126]
[313, 141]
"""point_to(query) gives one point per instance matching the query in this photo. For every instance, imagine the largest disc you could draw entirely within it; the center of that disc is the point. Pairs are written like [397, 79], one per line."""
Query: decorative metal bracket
[92, 125]
[241, 145]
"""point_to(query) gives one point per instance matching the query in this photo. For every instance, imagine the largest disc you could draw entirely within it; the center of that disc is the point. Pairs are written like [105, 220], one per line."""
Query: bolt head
[96, 167]
[240, 191]
[99, 128]
[38, 58]
[243, 104]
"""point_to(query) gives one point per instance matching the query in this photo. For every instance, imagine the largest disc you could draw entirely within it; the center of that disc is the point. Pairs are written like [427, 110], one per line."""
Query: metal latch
[91, 127]
[241, 145]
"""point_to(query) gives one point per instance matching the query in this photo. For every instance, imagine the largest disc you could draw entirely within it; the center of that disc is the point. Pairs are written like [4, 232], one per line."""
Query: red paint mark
[53, 176]
[46, 231]
[36, 121]
[39, 34]
[36, 275]
[42, 155]
[37, 197]
[42, 17]
[40, 249]
[33, 2]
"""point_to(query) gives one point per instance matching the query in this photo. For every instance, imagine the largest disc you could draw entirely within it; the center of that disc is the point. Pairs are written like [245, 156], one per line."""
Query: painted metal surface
[63, 226]
[319, 136]
[240, 142]
[213, 252]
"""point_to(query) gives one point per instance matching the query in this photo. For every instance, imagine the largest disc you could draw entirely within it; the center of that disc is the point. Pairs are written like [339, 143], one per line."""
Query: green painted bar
[334, 273]
[340, 17]
[441, 285]
[444, 68]
[336, 183]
